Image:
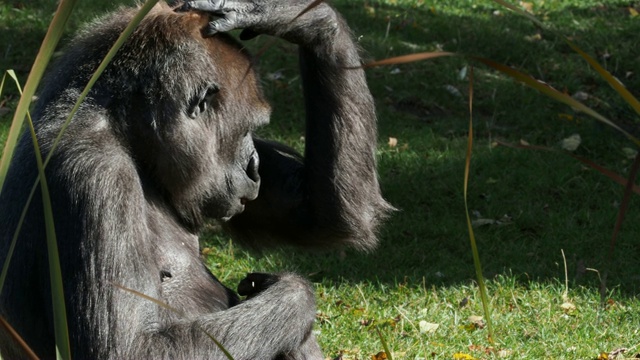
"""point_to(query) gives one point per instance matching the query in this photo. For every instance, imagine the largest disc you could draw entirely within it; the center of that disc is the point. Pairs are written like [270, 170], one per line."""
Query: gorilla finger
[223, 24]
[214, 6]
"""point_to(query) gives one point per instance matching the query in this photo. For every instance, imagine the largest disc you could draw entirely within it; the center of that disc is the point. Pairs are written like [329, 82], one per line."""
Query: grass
[423, 269]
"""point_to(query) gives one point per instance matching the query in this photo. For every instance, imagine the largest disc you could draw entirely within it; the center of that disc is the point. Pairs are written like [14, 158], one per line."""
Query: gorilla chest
[184, 281]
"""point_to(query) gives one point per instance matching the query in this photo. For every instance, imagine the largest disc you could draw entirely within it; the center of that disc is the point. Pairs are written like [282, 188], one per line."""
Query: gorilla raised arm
[163, 141]
[331, 197]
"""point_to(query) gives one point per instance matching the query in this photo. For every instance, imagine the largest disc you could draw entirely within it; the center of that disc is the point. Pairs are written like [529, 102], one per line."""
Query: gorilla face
[193, 119]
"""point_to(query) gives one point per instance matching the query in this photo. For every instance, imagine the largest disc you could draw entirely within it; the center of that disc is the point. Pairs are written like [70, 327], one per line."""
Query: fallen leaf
[481, 222]
[477, 321]
[533, 38]
[568, 308]
[453, 90]
[571, 143]
[527, 6]
[504, 353]
[379, 356]
[567, 117]
[427, 327]
[463, 356]
[630, 153]
[617, 353]
[581, 96]
[633, 12]
[462, 74]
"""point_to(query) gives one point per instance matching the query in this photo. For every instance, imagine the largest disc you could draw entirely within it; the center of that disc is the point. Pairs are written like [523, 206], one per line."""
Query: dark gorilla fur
[165, 140]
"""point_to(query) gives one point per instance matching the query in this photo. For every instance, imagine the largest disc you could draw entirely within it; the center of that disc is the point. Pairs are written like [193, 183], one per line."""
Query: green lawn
[418, 288]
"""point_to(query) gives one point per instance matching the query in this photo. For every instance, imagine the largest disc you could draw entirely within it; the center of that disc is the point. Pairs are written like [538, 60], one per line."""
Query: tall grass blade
[148, 5]
[408, 58]
[51, 39]
[17, 339]
[613, 82]
[624, 205]
[174, 310]
[554, 94]
[56, 28]
[60, 327]
[474, 247]
[385, 346]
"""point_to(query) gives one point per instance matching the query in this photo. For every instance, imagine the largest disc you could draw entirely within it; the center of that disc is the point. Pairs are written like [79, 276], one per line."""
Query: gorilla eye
[201, 103]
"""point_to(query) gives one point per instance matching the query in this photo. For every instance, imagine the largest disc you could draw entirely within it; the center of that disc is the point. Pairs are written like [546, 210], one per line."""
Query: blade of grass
[474, 248]
[51, 39]
[16, 337]
[522, 77]
[613, 82]
[624, 205]
[148, 5]
[134, 22]
[385, 346]
[60, 326]
[174, 310]
[408, 58]
[553, 93]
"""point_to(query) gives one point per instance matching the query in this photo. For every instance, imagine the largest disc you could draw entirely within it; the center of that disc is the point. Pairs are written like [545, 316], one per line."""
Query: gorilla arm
[331, 197]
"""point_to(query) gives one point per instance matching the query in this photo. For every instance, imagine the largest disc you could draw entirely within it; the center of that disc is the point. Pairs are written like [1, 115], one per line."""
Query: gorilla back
[164, 140]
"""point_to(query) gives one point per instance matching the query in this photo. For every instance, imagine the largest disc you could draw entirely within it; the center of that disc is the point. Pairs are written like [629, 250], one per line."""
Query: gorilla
[165, 140]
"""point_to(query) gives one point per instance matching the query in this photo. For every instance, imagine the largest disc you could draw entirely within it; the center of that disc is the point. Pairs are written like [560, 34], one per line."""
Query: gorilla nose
[252, 167]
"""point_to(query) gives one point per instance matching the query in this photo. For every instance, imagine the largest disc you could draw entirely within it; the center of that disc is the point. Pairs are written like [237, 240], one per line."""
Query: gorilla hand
[298, 21]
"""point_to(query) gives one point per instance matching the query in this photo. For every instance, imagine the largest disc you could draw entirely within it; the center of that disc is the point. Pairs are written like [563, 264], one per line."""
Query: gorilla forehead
[170, 46]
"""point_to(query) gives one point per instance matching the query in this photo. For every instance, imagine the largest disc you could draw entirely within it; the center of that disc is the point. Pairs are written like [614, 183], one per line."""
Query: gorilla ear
[202, 102]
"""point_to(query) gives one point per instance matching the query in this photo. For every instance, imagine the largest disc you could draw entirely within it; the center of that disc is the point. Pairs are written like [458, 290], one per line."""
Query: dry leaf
[463, 356]
[427, 327]
[568, 307]
[581, 96]
[630, 153]
[617, 353]
[504, 353]
[379, 356]
[571, 143]
[481, 222]
[533, 38]
[567, 117]
[527, 6]
[477, 320]
[453, 90]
